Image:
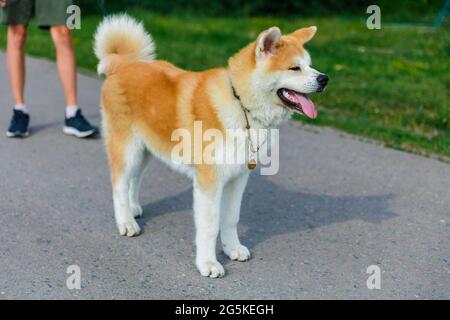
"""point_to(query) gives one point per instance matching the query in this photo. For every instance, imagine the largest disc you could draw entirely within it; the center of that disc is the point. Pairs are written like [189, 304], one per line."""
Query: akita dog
[145, 100]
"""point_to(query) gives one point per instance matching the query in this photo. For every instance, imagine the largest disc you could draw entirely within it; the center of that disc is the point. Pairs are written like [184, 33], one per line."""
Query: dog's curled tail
[121, 39]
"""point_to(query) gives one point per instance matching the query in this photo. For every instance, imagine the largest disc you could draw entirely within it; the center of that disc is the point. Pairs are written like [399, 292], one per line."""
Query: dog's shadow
[269, 210]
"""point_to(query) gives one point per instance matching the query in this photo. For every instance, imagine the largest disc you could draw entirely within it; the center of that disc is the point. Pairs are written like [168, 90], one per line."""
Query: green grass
[391, 85]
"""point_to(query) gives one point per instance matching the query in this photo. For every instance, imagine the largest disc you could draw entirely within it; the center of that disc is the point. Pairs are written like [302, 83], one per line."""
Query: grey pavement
[337, 206]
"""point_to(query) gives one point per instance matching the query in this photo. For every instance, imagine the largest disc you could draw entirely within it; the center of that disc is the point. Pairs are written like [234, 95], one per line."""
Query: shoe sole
[17, 134]
[79, 134]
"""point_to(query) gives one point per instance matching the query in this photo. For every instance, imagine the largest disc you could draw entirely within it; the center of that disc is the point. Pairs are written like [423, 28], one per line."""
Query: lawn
[390, 84]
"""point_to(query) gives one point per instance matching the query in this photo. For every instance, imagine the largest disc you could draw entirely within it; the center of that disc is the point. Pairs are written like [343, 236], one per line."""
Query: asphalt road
[337, 206]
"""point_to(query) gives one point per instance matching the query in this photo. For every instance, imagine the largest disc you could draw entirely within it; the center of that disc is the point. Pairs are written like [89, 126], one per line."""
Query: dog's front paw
[136, 210]
[128, 228]
[239, 252]
[212, 269]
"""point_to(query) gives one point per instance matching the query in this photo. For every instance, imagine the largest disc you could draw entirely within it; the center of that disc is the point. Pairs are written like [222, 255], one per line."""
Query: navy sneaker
[79, 127]
[19, 125]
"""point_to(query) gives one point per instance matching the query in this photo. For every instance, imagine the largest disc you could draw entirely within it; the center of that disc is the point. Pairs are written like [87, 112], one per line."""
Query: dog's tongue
[308, 107]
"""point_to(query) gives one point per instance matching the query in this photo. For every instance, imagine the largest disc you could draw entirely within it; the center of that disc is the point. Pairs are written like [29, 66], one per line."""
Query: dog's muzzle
[322, 80]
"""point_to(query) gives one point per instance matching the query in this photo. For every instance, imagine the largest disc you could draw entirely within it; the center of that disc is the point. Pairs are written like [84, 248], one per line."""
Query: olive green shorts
[48, 12]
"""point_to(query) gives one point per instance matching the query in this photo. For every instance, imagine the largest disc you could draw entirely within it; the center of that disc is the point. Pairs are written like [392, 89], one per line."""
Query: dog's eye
[295, 69]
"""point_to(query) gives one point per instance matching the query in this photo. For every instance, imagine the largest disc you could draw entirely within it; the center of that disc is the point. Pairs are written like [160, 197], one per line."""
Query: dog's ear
[267, 42]
[304, 35]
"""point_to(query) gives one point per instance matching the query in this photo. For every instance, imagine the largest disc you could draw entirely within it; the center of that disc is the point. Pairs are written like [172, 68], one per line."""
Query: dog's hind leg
[127, 158]
[141, 158]
[229, 218]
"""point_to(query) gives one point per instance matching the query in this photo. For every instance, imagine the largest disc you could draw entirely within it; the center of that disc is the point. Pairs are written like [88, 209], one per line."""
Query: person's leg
[52, 14]
[17, 34]
[65, 59]
[15, 56]
[16, 15]
[75, 123]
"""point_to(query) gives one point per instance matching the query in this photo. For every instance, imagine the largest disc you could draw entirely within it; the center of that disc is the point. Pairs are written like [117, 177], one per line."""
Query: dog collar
[238, 98]
[251, 164]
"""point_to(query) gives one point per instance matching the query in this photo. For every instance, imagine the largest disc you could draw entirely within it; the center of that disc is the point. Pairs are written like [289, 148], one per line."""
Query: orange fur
[145, 102]
[288, 48]
[156, 98]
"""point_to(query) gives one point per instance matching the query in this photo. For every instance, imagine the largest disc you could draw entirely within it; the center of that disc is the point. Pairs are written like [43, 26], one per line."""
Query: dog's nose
[322, 80]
